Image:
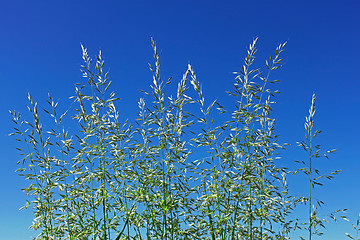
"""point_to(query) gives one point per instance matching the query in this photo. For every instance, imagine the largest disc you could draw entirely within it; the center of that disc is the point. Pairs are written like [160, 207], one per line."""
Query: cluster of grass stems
[176, 172]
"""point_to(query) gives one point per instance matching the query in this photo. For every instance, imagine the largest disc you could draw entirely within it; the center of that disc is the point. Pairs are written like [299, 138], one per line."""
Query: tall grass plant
[179, 171]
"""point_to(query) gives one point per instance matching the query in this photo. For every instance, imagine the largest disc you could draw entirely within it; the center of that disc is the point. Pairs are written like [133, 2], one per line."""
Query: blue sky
[41, 53]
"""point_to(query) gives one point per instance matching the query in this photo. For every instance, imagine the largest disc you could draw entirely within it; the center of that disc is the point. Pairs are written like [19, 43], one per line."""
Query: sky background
[40, 52]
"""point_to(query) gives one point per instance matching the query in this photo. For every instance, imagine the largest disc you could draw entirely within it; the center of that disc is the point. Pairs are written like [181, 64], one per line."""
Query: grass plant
[315, 223]
[179, 171]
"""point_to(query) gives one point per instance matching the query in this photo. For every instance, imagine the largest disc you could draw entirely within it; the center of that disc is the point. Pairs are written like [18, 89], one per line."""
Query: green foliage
[173, 173]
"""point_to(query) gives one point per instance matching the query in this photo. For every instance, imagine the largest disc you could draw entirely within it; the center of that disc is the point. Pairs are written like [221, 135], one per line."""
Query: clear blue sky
[40, 53]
